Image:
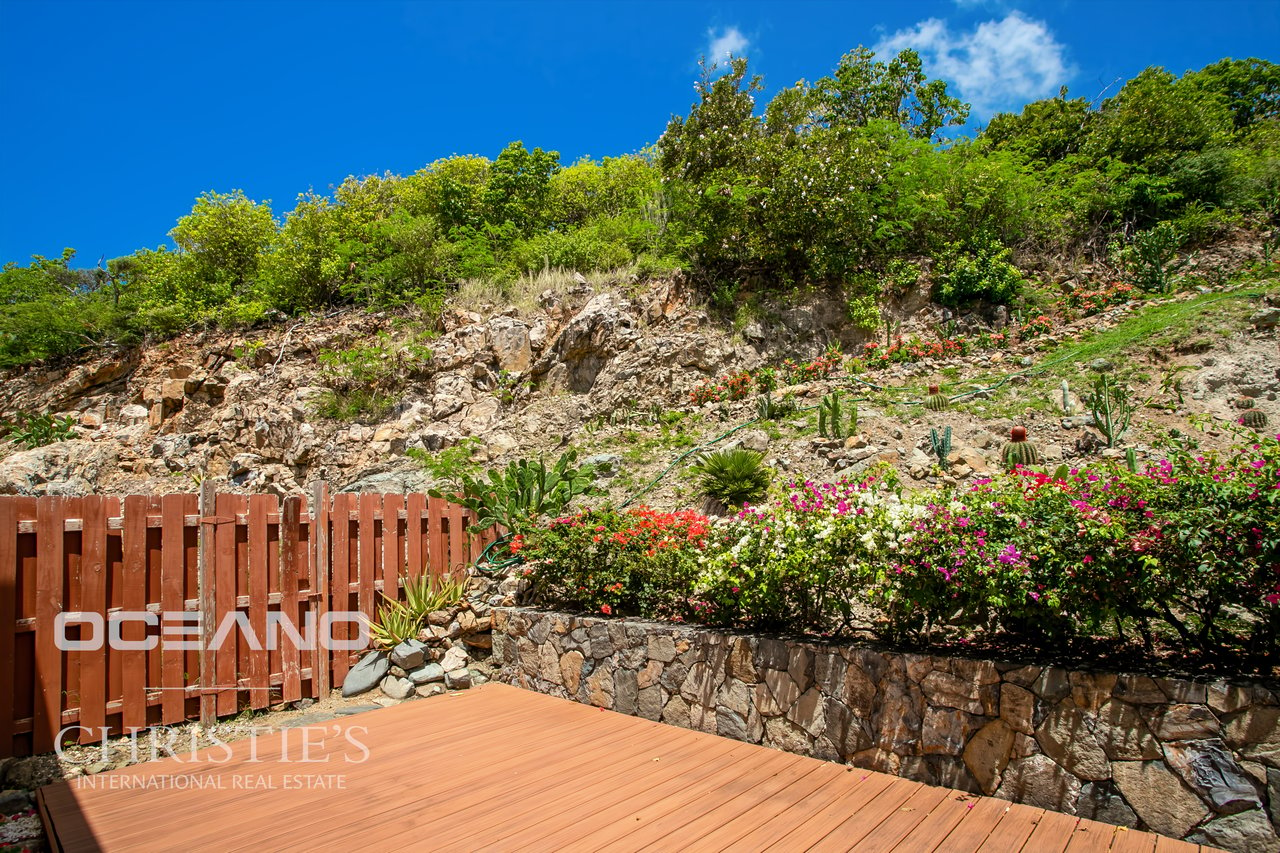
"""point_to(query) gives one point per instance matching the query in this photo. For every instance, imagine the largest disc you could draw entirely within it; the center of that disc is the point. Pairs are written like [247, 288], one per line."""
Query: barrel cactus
[1244, 403]
[1254, 419]
[936, 401]
[1018, 451]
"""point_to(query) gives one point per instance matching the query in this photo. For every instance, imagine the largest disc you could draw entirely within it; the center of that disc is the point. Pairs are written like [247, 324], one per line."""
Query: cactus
[1018, 451]
[941, 446]
[1066, 398]
[1254, 419]
[1244, 403]
[1112, 407]
[936, 401]
[1131, 460]
[831, 417]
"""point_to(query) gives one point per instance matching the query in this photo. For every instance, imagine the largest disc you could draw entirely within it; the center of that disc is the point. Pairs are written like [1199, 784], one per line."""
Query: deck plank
[505, 769]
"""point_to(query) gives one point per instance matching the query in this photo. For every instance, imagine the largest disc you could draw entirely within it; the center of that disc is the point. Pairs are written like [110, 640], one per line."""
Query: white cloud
[726, 43]
[999, 64]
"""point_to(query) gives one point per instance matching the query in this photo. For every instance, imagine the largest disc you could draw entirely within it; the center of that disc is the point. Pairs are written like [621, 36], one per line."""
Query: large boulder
[367, 674]
[604, 327]
[62, 468]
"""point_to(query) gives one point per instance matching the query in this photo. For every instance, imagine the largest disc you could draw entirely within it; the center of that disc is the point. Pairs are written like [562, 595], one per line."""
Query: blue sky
[118, 114]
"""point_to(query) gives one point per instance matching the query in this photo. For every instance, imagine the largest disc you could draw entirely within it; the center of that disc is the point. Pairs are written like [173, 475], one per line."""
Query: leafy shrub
[363, 380]
[978, 272]
[733, 477]
[38, 430]
[1148, 261]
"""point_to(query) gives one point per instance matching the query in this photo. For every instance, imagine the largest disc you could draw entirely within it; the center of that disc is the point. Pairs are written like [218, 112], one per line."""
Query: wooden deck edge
[47, 819]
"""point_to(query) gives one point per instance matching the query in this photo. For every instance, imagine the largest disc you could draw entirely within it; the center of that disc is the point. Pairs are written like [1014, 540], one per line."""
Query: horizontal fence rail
[250, 567]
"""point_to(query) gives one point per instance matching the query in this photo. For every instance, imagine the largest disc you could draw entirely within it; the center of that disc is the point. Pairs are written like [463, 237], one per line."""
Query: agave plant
[396, 623]
[733, 477]
[425, 594]
[525, 490]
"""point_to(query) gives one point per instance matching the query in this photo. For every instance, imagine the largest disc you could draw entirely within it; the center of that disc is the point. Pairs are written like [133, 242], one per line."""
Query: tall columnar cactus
[1018, 451]
[936, 401]
[1131, 460]
[941, 446]
[1112, 407]
[1066, 398]
[831, 422]
[1254, 419]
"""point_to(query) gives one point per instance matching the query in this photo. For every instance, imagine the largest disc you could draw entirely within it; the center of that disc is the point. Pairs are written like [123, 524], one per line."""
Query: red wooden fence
[215, 555]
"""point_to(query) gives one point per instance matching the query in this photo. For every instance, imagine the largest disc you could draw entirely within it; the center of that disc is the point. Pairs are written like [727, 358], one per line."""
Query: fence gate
[214, 598]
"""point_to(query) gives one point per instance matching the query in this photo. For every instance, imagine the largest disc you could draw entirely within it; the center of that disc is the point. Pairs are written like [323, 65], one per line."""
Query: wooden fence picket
[49, 659]
[259, 564]
[8, 621]
[290, 655]
[172, 576]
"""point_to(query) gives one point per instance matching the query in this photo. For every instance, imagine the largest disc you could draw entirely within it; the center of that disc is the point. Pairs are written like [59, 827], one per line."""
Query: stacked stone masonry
[1193, 760]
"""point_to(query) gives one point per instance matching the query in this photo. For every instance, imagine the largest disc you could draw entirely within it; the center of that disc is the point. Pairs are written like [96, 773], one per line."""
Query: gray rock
[459, 679]
[397, 688]
[367, 674]
[1267, 318]
[409, 654]
[1101, 365]
[426, 691]
[1210, 770]
[349, 710]
[427, 674]
[605, 464]
[1163, 803]
[1100, 802]
[303, 720]
[1038, 781]
[1247, 831]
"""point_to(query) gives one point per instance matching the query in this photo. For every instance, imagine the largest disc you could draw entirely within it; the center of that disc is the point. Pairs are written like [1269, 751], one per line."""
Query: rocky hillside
[611, 372]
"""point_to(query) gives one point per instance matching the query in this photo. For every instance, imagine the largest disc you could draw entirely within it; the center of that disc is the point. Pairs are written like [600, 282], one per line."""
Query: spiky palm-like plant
[733, 477]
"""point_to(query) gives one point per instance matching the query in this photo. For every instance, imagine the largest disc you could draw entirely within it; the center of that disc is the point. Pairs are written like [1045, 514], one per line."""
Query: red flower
[606, 610]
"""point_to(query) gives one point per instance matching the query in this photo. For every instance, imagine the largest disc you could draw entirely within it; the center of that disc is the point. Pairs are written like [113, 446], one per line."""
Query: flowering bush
[1090, 302]
[913, 349]
[1035, 327]
[796, 562]
[637, 562]
[820, 368]
[1188, 547]
[737, 386]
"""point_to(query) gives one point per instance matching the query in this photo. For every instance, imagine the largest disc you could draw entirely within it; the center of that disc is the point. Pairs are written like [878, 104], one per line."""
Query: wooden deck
[498, 768]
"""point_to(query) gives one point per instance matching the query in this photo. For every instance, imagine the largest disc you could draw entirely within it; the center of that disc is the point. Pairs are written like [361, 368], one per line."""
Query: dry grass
[485, 296]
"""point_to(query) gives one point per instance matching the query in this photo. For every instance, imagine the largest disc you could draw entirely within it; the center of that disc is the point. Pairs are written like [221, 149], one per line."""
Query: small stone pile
[447, 654]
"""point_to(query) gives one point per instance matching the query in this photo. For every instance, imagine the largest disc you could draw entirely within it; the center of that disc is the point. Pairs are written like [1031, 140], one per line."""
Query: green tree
[1250, 88]
[223, 239]
[1044, 132]
[519, 186]
[862, 90]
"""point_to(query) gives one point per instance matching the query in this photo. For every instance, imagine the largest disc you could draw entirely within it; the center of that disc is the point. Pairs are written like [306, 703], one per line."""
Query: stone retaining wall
[1186, 759]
